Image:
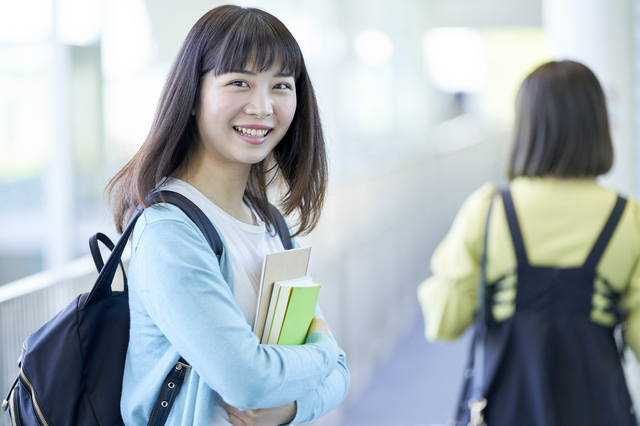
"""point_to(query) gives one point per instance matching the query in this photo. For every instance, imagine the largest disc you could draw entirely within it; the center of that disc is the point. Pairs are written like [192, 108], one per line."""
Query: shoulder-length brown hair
[225, 39]
[561, 126]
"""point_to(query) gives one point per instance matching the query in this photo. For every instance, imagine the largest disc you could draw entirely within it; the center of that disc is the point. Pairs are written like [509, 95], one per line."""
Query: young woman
[237, 115]
[562, 264]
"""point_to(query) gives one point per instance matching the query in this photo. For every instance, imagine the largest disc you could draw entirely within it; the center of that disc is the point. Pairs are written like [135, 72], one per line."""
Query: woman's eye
[239, 83]
[282, 86]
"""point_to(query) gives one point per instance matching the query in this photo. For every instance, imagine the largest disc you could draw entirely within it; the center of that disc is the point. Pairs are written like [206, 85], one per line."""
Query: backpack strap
[514, 227]
[473, 396]
[607, 232]
[282, 228]
[103, 284]
[206, 227]
[97, 256]
[196, 215]
[168, 393]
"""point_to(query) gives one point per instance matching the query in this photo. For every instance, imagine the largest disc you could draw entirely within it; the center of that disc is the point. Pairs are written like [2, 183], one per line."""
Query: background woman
[237, 114]
[559, 279]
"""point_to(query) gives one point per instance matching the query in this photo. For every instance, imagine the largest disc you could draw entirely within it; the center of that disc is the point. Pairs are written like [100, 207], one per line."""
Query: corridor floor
[417, 386]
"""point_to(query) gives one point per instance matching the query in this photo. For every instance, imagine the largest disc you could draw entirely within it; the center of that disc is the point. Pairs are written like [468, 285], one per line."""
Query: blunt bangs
[252, 40]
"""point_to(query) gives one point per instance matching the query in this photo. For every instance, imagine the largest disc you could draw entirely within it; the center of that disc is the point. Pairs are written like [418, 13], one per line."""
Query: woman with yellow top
[562, 265]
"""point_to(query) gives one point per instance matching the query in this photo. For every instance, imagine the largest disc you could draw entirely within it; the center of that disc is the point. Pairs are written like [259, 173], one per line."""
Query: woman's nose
[260, 105]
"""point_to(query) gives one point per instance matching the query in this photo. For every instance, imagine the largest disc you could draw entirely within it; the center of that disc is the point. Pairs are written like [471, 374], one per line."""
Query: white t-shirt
[247, 246]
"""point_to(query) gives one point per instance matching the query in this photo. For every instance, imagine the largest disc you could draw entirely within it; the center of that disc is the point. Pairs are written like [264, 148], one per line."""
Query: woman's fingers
[235, 420]
[318, 324]
[283, 414]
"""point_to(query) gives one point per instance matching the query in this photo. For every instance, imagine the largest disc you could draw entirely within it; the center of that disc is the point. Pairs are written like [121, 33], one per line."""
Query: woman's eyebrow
[239, 71]
[280, 74]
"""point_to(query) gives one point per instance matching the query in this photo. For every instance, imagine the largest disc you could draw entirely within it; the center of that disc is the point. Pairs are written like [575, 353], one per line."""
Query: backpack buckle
[182, 366]
[476, 406]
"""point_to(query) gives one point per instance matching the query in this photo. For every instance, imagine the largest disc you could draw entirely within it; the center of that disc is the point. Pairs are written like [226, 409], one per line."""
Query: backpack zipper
[12, 408]
[5, 403]
[24, 378]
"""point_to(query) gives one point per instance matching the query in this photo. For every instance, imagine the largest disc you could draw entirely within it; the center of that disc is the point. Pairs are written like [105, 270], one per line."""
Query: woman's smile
[253, 133]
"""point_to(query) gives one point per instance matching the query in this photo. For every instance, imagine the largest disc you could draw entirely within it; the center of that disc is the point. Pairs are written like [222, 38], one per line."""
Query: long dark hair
[562, 127]
[225, 39]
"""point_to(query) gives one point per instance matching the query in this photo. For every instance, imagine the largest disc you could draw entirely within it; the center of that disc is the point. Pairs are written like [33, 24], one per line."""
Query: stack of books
[287, 298]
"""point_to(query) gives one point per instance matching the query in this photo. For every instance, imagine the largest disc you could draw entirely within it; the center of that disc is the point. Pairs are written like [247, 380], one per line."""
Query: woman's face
[242, 115]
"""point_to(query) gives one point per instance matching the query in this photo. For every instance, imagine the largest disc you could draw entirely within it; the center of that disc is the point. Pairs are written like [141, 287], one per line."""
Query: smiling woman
[237, 114]
[242, 116]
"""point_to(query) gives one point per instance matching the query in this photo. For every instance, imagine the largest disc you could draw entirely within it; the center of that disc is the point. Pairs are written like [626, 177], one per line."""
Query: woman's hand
[318, 324]
[275, 416]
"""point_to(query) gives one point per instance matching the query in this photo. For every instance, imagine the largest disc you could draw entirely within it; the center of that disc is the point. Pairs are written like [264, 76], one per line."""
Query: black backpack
[71, 368]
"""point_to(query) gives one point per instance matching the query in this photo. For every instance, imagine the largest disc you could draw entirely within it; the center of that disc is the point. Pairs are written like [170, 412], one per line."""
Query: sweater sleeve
[449, 297]
[631, 301]
[186, 296]
[329, 394]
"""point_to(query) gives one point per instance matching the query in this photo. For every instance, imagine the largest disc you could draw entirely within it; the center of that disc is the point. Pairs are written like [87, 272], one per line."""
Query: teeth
[254, 133]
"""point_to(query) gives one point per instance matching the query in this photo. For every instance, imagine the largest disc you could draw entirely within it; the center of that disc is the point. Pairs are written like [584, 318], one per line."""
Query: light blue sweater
[181, 303]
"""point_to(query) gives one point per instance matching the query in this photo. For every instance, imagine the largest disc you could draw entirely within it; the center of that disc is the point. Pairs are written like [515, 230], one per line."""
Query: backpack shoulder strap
[197, 216]
[209, 231]
[281, 227]
[102, 285]
[107, 272]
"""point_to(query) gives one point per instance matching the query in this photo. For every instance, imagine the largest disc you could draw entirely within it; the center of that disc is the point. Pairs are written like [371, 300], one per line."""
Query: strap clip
[476, 406]
[181, 365]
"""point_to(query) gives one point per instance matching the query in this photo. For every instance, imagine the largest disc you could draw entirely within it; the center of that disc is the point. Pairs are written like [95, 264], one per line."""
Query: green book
[299, 314]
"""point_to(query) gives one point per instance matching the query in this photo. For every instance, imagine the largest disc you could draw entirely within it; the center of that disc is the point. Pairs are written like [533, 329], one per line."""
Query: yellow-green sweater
[560, 221]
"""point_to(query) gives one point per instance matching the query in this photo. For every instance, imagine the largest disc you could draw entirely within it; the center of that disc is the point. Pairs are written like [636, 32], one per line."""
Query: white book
[277, 309]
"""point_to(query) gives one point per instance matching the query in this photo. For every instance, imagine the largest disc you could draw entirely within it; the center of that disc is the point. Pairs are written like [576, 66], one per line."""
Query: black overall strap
[607, 232]
[514, 227]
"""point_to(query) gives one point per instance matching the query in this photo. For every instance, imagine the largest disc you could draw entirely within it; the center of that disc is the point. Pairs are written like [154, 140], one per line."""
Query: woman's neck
[224, 186]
